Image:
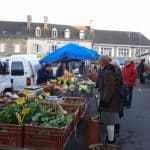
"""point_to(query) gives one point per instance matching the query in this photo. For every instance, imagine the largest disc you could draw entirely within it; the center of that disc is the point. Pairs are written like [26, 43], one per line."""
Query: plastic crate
[5, 102]
[11, 135]
[82, 108]
[2, 104]
[75, 110]
[45, 138]
[70, 109]
[50, 138]
[47, 88]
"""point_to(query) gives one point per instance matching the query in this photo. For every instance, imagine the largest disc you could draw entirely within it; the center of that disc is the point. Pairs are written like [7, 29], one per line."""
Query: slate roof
[120, 37]
[19, 29]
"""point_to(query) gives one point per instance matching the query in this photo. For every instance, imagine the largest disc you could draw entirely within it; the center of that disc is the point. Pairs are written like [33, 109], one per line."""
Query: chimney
[91, 25]
[29, 21]
[45, 22]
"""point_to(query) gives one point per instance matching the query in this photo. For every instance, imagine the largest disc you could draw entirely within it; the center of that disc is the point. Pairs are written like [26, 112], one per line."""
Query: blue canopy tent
[72, 51]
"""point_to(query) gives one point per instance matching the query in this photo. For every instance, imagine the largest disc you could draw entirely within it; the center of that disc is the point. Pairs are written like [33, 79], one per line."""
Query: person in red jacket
[130, 75]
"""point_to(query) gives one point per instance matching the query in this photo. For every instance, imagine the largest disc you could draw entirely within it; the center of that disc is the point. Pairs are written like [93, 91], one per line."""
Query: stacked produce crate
[36, 124]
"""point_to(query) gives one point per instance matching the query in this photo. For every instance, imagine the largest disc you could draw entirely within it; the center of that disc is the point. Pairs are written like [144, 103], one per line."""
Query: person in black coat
[60, 70]
[99, 75]
[82, 69]
[141, 70]
[45, 74]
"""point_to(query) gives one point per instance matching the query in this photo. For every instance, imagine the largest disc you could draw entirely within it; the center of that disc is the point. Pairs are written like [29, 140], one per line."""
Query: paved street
[134, 134]
[136, 123]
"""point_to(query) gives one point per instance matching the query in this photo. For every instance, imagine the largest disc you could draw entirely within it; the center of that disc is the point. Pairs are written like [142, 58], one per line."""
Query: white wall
[46, 43]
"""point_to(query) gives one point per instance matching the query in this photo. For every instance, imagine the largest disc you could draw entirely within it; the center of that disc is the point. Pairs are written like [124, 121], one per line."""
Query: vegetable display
[35, 113]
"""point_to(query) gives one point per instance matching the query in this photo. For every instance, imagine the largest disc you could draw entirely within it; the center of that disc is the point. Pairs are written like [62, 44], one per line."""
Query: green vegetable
[39, 114]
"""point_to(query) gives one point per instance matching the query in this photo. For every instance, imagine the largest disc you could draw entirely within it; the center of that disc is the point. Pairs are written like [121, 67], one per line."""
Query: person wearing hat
[130, 75]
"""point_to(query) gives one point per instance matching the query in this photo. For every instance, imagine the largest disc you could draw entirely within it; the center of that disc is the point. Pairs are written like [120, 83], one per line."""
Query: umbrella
[72, 51]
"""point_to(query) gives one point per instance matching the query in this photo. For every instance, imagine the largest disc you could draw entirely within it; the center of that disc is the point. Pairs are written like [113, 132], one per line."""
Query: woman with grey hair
[118, 72]
[115, 63]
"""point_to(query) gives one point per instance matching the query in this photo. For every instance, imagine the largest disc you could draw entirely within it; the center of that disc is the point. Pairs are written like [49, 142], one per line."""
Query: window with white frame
[54, 47]
[67, 34]
[38, 31]
[82, 35]
[123, 52]
[17, 48]
[2, 48]
[106, 51]
[140, 51]
[37, 48]
[54, 33]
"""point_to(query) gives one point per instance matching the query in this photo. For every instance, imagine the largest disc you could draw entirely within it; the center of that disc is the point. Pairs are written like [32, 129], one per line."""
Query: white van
[5, 84]
[17, 72]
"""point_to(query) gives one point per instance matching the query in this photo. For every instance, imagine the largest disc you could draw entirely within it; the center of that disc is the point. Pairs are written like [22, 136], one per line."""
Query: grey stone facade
[9, 46]
[33, 38]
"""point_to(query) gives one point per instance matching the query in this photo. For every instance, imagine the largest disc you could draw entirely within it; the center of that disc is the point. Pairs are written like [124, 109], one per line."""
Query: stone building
[42, 38]
[120, 44]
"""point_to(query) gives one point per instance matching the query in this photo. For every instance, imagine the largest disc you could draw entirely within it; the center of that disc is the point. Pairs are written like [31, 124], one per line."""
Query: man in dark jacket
[44, 74]
[60, 70]
[82, 69]
[99, 76]
[110, 101]
[141, 69]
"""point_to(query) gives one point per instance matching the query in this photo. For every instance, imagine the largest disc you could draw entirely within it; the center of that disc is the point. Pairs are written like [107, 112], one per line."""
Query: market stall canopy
[72, 51]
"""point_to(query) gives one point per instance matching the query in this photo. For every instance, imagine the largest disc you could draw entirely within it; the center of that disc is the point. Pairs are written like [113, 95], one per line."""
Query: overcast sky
[124, 15]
